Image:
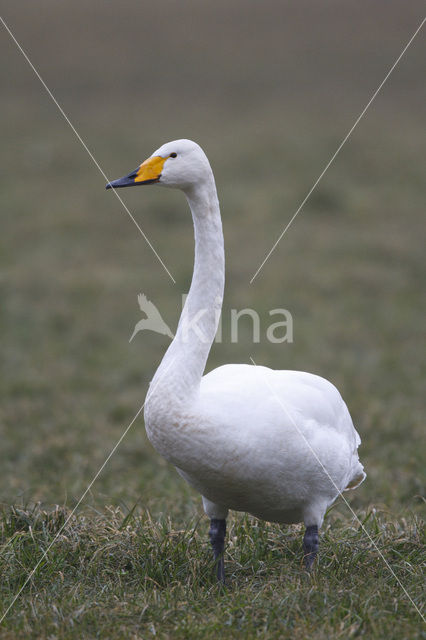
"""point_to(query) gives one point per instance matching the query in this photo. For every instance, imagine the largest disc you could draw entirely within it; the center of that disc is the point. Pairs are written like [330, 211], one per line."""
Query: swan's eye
[173, 155]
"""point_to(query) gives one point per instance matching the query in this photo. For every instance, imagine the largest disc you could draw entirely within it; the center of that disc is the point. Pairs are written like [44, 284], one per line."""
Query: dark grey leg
[217, 538]
[310, 545]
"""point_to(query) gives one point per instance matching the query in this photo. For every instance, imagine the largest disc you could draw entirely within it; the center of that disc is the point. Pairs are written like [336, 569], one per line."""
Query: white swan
[277, 444]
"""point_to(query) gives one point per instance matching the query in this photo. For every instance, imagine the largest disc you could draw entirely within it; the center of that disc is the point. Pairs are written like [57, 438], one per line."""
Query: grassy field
[269, 90]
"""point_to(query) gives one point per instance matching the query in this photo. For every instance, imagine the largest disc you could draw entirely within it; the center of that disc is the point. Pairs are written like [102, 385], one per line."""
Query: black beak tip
[108, 185]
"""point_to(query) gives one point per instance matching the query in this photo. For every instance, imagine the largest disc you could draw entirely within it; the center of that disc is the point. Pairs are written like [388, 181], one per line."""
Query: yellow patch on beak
[150, 169]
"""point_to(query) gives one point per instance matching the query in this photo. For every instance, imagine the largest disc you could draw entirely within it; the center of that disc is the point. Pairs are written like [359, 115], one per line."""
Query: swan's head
[180, 164]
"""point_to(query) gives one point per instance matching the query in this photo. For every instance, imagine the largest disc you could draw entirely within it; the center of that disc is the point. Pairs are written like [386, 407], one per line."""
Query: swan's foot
[217, 538]
[310, 545]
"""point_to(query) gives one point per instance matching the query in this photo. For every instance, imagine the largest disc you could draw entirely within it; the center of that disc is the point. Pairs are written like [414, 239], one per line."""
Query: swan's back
[296, 395]
[291, 426]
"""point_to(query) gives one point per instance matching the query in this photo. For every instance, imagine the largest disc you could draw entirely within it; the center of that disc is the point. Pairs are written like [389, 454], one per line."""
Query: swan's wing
[272, 397]
[295, 416]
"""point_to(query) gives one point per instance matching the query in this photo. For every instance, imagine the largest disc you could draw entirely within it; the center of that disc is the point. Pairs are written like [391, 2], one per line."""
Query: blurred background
[269, 90]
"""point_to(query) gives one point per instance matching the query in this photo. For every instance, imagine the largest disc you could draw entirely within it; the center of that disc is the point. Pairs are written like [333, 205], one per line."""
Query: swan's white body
[278, 444]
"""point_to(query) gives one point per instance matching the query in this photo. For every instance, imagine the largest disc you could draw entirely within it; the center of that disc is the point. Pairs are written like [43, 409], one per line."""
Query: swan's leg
[310, 545]
[217, 514]
[217, 538]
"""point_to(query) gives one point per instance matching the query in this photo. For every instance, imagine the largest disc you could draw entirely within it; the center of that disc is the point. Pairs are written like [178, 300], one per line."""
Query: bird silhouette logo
[153, 320]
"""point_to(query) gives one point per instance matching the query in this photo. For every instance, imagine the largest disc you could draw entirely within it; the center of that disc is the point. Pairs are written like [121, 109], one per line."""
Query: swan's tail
[358, 476]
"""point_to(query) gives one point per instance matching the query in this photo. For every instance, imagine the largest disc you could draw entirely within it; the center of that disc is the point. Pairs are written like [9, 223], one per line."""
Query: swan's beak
[148, 173]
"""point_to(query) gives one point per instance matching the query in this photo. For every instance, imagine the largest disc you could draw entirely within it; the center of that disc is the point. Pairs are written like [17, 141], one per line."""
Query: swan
[279, 445]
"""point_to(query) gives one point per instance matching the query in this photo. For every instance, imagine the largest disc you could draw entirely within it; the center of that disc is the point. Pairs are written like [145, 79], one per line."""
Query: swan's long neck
[179, 374]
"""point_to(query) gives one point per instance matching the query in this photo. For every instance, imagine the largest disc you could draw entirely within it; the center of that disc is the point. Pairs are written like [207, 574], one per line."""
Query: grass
[269, 95]
[152, 578]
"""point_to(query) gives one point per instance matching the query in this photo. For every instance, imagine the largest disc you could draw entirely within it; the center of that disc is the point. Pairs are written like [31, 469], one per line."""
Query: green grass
[151, 578]
[269, 94]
